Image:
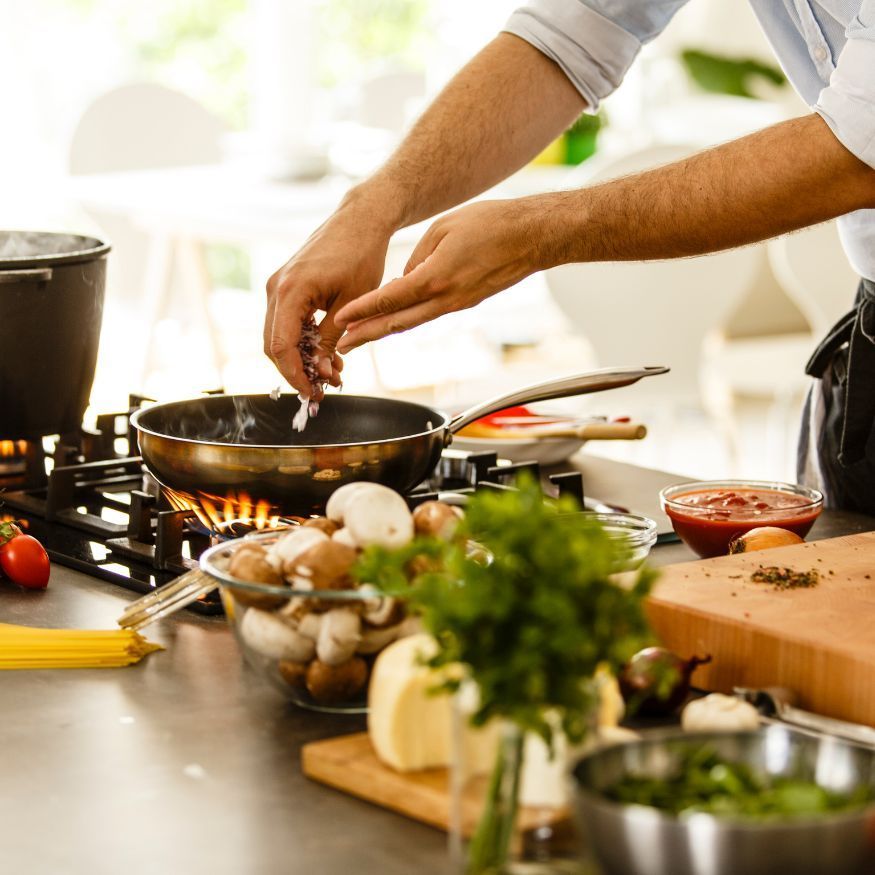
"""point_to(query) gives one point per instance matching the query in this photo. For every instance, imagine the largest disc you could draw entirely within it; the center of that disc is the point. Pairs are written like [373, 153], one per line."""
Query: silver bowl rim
[653, 737]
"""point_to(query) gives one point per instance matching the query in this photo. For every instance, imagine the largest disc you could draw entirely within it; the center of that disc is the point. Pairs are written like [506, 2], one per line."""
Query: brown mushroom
[326, 565]
[293, 673]
[329, 684]
[323, 524]
[250, 564]
[436, 518]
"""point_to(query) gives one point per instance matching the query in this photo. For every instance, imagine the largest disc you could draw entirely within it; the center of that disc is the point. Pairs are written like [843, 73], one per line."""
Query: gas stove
[95, 508]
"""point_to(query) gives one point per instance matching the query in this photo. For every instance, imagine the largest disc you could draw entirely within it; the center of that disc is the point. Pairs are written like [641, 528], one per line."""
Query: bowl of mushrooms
[299, 616]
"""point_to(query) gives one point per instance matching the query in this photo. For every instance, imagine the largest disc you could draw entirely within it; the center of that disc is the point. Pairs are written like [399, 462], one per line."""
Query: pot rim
[92, 248]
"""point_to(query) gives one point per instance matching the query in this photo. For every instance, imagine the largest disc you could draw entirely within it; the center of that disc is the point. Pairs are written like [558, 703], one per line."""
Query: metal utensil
[223, 444]
[588, 431]
[639, 840]
[776, 706]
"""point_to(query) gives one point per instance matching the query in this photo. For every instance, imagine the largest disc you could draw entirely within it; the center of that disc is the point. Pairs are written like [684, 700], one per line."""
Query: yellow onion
[762, 538]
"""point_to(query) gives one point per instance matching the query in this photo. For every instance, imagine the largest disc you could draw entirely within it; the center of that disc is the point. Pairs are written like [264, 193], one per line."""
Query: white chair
[137, 127]
[814, 271]
[656, 312]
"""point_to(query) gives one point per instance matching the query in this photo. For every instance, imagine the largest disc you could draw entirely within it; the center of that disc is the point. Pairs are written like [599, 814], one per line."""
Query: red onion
[655, 681]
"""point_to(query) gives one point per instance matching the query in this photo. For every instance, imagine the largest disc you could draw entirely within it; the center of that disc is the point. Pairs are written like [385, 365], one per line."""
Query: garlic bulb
[717, 712]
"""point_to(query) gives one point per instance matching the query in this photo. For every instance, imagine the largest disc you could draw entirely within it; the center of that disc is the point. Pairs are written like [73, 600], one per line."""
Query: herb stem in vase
[490, 845]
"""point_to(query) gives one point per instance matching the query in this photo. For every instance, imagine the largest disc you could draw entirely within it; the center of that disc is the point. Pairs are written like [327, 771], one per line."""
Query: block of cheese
[411, 727]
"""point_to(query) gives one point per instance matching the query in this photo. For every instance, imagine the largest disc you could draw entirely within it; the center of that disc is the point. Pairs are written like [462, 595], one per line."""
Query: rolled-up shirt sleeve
[847, 104]
[593, 42]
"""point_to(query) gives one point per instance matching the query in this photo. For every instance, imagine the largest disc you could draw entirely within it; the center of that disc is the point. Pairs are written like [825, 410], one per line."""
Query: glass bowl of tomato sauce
[708, 514]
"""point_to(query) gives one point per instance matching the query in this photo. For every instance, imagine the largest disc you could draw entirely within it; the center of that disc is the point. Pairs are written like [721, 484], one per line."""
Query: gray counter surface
[188, 763]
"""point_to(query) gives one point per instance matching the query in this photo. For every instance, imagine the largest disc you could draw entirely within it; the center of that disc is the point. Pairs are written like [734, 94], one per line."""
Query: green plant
[530, 626]
[722, 75]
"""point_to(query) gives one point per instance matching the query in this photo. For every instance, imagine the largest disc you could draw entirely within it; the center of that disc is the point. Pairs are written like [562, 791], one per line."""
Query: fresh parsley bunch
[532, 623]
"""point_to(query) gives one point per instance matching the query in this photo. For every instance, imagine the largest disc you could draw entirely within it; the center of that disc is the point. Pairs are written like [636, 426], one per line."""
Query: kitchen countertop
[188, 763]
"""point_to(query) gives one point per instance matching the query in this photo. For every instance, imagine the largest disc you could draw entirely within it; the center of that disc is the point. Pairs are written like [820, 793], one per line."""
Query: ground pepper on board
[785, 578]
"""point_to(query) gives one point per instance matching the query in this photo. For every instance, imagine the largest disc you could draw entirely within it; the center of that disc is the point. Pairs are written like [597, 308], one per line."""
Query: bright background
[322, 89]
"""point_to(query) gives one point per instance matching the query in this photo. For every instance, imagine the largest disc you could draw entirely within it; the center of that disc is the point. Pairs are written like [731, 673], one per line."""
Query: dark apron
[838, 426]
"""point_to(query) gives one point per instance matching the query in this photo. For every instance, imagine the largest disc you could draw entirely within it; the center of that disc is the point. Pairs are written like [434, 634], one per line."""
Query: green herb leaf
[532, 625]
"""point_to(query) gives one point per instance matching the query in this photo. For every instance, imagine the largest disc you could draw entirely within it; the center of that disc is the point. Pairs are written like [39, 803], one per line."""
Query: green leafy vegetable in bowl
[707, 783]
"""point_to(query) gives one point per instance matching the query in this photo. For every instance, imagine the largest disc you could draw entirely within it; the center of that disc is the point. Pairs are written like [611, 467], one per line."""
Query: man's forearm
[781, 179]
[495, 115]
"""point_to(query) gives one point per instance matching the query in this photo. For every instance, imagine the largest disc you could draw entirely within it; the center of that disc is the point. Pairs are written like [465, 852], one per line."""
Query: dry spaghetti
[24, 647]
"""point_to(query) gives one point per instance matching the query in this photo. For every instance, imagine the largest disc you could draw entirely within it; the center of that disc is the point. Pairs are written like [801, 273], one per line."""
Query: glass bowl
[708, 514]
[283, 632]
[637, 532]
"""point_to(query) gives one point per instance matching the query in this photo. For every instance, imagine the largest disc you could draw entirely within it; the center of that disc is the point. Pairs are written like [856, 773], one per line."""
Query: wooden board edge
[317, 769]
[320, 769]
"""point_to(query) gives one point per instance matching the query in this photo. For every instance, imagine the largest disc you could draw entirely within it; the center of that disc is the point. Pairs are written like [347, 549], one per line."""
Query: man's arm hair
[783, 178]
[502, 108]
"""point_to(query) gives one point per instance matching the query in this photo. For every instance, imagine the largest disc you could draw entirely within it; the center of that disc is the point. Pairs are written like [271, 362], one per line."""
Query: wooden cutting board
[349, 763]
[818, 642]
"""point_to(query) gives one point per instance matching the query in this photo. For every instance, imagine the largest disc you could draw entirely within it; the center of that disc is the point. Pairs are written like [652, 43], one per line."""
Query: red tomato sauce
[716, 516]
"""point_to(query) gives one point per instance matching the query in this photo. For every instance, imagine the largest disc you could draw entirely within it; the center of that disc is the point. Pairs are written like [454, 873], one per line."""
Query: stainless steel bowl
[639, 840]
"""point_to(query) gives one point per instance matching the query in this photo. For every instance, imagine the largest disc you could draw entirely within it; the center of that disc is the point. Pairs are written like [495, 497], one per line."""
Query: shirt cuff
[847, 104]
[592, 51]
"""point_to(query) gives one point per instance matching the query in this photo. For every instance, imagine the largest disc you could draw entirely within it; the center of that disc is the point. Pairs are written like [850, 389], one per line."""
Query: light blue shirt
[826, 47]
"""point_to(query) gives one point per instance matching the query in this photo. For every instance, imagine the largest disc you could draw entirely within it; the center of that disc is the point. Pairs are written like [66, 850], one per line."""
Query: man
[555, 59]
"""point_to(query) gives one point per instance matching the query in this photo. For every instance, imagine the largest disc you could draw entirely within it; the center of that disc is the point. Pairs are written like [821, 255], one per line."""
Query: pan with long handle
[223, 445]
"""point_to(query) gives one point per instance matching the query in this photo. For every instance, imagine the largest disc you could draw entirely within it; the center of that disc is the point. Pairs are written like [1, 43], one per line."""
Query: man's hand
[344, 258]
[464, 257]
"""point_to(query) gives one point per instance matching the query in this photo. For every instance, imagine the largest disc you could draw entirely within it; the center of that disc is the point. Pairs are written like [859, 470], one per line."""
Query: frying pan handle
[34, 275]
[576, 384]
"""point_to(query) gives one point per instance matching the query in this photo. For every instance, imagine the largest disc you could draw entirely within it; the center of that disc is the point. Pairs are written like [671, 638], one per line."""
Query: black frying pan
[227, 444]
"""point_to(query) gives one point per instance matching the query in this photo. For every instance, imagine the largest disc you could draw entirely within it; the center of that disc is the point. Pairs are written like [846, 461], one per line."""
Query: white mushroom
[270, 636]
[310, 624]
[374, 640]
[339, 635]
[336, 507]
[382, 611]
[342, 536]
[290, 546]
[379, 517]
[718, 712]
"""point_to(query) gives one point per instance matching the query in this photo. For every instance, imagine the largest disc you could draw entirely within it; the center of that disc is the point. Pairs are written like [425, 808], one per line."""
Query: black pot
[51, 307]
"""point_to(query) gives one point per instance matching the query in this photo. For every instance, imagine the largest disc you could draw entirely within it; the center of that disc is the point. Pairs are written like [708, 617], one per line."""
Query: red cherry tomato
[25, 562]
